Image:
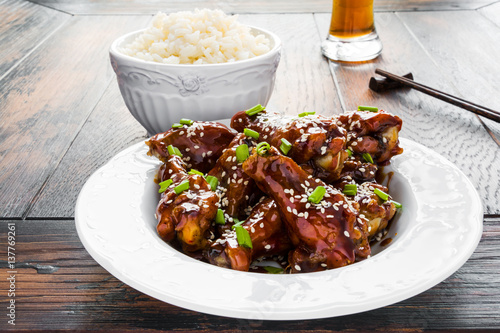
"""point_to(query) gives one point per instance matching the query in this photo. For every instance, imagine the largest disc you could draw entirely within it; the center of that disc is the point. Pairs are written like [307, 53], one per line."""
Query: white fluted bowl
[159, 95]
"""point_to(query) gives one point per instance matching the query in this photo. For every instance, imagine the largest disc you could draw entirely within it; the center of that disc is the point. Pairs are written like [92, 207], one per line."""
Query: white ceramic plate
[437, 230]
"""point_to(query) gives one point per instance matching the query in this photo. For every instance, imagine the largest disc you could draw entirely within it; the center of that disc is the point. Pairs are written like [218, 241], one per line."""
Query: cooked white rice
[200, 37]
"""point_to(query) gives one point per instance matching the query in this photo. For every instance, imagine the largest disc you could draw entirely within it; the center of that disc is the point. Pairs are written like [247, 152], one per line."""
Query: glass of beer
[352, 35]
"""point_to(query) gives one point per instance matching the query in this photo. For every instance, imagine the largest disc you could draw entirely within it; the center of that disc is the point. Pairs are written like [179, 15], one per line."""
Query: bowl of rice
[201, 65]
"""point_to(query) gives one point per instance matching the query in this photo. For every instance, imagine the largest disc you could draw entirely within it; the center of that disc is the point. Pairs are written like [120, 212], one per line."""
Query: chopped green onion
[263, 148]
[349, 193]
[219, 218]
[212, 181]
[253, 111]
[251, 133]
[397, 204]
[195, 172]
[185, 121]
[182, 187]
[317, 194]
[164, 185]
[303, 114]
[367, 157]
[242, 153]
[273, 270]
[367, 108]
[382, 195]
[237, 223]
[174, 151]
[285, 146]
[177, 125]
[349, 152]
[350, 188]
[243, 237]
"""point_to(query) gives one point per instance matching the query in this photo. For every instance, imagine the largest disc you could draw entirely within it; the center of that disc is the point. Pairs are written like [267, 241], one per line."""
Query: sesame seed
[252, 229]
[289, 209]
[323, 265]
[196, 147]
[262, 225]
[362, 169]
[354, 143]
[306, 215]
[294, 211]
[267, 247]
[297, 267]
[181, 133]
[346, 233]
[201, 134]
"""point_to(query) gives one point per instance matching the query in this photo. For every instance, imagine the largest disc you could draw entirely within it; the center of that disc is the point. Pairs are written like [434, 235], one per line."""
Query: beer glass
[352, 35]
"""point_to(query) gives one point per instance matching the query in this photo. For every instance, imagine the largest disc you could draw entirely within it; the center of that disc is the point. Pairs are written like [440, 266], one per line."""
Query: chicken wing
[266, 232]
[325, 235]
[200, 143]
[237, 190]
[318, 143]
[375, 133]
[185, 215]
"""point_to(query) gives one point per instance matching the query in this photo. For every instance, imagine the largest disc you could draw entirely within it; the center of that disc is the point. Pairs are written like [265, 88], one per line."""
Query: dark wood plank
[111, 128]
[471, 64]
[240, 6]
[456, 134]
[59, 286]
[47, 98]
[23, 27]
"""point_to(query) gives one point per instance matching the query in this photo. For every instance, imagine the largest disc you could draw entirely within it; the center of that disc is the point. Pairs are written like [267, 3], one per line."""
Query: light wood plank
[492, 12]
[47, 98]
[470, 59]
[80, 294]
[456, 134]
[111, 128]
[23, 26]
[240, 6]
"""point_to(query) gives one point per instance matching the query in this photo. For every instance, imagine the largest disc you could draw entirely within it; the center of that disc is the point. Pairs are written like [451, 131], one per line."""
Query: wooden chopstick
[457, 101]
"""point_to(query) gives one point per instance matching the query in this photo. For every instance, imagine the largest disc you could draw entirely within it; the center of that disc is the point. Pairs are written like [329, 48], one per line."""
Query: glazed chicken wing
[375, 133]
[373, 210]
[200, 143]
[325, 235]
[266, 232]
[237, 191]
[317, 142]
[185, 215]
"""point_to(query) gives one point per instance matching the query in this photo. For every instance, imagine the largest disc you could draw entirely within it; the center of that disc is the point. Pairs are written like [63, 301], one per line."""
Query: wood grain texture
[47, 98]
[470, 60]
[111, 128]
[454, 133]
[23, 26]
[59, 286]
[241, 6]
[492, 12]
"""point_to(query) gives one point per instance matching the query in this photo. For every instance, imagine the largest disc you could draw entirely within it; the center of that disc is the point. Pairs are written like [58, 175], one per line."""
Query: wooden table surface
[62, 117]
